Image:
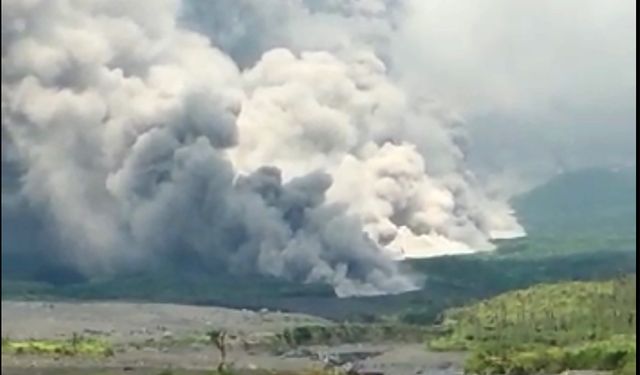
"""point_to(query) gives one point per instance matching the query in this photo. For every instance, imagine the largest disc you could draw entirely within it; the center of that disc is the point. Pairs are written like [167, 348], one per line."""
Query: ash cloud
[312, 140]
[397, 161]
[121, 122]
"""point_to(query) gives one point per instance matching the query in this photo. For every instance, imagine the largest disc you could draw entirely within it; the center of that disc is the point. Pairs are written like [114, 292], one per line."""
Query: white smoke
[307, 162]
[396, 163]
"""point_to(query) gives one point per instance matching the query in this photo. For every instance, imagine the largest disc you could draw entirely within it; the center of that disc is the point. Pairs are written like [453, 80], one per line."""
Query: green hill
[586, 211]
[550, 327]
[591, 201]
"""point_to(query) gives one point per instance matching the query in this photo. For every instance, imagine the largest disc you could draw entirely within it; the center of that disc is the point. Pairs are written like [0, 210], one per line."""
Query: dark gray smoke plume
[121, 122]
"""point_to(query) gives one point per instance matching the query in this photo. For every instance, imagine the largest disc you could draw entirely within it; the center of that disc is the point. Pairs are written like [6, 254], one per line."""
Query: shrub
[617, 354]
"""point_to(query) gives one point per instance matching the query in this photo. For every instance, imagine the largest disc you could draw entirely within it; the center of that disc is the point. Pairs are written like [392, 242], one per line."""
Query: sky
[555, 79]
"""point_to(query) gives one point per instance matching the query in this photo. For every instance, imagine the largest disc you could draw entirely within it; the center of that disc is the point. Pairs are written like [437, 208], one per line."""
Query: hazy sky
[539, 81]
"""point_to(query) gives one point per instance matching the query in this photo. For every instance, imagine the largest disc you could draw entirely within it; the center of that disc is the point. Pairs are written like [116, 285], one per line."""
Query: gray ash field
[148, 338]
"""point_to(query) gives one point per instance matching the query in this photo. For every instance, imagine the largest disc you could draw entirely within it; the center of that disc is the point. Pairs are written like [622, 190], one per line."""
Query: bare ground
[131, 327]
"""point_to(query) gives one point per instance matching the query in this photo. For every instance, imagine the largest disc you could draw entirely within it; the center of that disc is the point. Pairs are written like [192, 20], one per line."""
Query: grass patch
[72, 347]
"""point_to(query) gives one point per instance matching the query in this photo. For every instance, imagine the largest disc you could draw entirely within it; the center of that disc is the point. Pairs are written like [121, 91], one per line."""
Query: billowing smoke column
[139, 136]
[397, 162]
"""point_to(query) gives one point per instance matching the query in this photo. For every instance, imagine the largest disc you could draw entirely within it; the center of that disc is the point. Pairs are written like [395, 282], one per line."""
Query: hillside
[587, 202]
[588, 211]
[575, 325]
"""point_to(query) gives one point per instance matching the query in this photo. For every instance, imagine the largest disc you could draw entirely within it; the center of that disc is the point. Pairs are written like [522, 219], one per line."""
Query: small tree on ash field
[219, 339]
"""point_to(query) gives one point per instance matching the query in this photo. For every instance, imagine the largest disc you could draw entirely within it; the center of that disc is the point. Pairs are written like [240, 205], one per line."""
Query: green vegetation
[553, 314]
[617, 354]
[75, 346]
[166, 284]
[457, 281]
[352, 333]
[584, 203]
[548, 328]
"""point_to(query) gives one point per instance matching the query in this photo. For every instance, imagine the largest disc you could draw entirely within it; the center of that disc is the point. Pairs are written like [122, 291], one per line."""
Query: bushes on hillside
[617, 354]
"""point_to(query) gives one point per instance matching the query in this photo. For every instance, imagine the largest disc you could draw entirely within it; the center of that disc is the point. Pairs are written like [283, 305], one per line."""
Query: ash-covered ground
[150, 337]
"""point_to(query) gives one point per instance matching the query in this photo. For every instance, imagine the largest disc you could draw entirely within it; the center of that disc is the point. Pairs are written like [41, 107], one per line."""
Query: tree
[219, 339]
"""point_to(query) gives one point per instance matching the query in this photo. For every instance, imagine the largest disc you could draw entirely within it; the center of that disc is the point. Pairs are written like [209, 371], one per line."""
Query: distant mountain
[591, 201]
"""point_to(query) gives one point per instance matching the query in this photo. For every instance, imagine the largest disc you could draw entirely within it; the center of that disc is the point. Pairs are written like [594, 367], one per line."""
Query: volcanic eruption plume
[139, 129]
